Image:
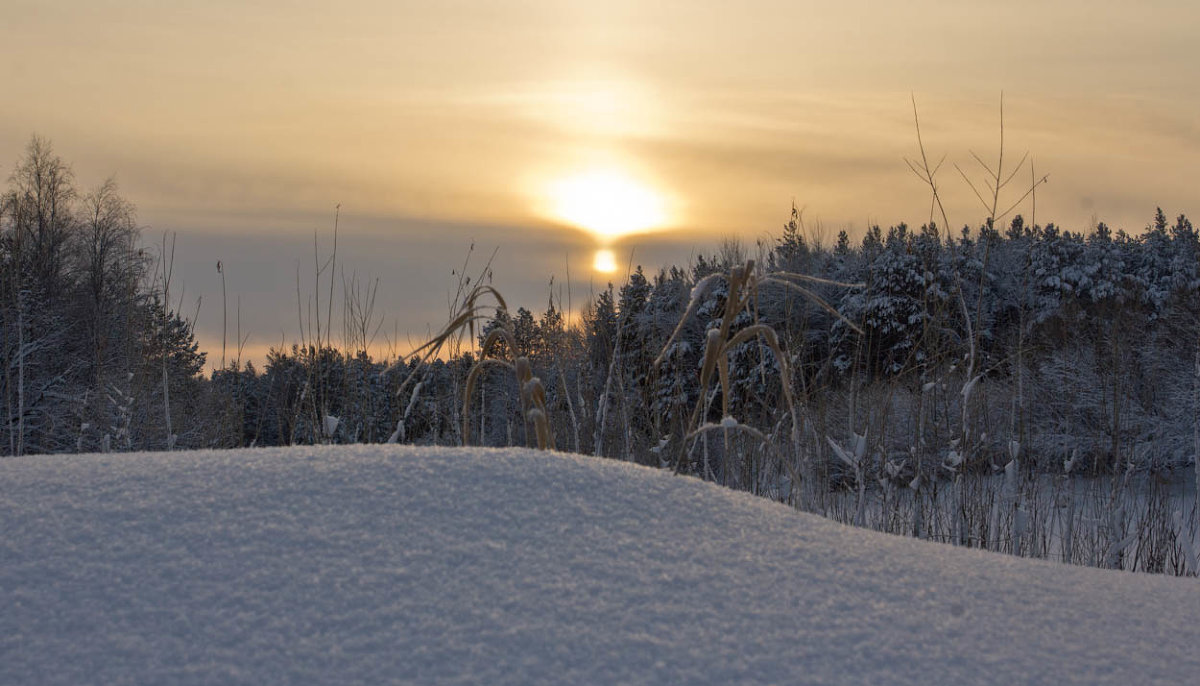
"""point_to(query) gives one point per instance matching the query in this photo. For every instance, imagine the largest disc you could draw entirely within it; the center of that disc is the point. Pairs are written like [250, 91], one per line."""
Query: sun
[607, 204]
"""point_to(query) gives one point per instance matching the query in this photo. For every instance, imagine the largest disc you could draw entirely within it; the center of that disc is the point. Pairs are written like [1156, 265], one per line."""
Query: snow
[393, 564]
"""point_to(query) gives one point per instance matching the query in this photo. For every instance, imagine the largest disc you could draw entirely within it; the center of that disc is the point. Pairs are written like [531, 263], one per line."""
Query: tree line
[943, 349]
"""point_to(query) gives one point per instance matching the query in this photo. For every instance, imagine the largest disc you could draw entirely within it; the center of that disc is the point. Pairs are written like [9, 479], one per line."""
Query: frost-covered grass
[416, 565]
[1138, 523]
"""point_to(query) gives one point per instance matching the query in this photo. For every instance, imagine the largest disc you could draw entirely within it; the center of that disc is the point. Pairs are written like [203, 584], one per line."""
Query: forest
[949, 384]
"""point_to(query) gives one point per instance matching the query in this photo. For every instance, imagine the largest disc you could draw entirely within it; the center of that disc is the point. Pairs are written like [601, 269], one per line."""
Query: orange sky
[231, 121]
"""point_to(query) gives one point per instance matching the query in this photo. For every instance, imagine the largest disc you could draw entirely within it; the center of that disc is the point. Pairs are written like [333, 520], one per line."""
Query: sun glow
[605, 261]
[608, 204]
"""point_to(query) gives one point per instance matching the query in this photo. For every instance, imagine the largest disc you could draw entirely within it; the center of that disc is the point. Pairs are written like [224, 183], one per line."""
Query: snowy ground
[401, 565]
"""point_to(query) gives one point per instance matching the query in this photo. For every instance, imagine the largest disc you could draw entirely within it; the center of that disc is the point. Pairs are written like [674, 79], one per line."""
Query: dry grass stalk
[475, 309]
[744, 283]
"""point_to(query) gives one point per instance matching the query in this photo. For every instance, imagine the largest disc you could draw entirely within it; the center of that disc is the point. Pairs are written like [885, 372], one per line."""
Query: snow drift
[417, 565]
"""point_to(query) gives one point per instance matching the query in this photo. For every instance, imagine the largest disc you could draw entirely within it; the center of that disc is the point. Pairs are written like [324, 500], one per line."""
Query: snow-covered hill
[404, 565]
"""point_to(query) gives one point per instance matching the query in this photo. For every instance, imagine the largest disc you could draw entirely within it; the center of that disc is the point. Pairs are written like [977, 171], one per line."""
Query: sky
[549, 131]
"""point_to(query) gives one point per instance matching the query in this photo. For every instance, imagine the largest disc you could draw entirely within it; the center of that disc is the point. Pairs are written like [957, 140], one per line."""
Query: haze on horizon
[438, 124]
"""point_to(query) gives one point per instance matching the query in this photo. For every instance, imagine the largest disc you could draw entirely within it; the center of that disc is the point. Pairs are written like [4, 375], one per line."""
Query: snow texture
[390, 564]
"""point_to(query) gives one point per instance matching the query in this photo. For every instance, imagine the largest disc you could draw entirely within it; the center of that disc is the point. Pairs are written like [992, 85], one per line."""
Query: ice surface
[391, 564]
